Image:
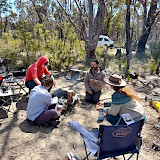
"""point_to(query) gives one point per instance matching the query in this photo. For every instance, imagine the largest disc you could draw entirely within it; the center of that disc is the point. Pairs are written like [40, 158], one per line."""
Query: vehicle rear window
[106, 39]
[100, 39]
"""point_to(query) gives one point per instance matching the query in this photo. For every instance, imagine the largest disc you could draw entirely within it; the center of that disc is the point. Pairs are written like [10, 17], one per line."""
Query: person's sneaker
[60, 106]
[53, 123]
[31, 122]
[62, 111]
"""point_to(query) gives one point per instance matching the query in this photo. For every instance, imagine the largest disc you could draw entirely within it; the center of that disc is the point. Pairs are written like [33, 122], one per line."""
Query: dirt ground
[20, 140]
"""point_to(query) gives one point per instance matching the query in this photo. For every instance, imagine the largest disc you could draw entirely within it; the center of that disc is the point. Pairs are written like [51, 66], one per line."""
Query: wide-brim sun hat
[116, 80]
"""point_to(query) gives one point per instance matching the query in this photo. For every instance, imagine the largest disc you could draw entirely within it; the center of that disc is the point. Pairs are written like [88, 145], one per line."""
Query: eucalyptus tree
[5, 7]
[129, 35]
[87, 24]
[114, 19]
[58, 16]
[151, 10]
[37, 11]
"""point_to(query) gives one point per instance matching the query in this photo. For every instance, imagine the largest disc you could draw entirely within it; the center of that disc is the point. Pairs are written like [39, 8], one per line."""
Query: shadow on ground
[27, 127]
[3, 114]
[22, 103]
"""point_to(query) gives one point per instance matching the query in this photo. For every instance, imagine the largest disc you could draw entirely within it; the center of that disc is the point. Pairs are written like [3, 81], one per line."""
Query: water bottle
[100, 116]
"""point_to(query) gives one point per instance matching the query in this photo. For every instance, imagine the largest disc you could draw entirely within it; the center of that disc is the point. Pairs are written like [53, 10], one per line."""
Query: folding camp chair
[11, 81]
[7, 77]
[6, 98]
[111, 141]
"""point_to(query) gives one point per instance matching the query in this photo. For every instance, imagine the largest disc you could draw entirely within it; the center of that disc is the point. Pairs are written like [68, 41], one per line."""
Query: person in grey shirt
[94, 81]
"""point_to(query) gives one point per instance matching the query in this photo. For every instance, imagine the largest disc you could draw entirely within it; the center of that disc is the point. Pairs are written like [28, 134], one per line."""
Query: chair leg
[11, 98]
[6, 102]
[21, 87]
[131, 156]
[85, 151]
[137, 155]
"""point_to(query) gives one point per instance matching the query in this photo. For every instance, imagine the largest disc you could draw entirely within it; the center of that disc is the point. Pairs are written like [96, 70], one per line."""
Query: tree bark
[1, 26]
[157, 70]
[150, 19]
[94, 28]
[5, 25]
[40, 19]
[92, 39]
[128, 37]
[105, 57]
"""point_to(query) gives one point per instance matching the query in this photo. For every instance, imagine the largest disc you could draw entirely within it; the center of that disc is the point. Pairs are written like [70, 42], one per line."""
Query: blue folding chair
[111, 141]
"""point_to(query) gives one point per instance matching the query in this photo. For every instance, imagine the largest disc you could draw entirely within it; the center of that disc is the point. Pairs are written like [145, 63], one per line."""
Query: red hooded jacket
[36, 71]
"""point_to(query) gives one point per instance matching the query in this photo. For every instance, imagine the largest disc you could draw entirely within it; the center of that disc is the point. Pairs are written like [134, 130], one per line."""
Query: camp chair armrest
[90, 137]
[83, 131]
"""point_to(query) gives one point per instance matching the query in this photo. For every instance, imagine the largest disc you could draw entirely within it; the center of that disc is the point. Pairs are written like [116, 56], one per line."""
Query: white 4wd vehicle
[104, 40]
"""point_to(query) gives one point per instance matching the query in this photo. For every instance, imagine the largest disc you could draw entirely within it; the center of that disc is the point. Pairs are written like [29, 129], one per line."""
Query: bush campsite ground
[20, 140]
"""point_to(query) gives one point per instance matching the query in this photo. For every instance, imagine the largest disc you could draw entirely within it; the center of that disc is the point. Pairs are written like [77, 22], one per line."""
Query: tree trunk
[1, 27]
[144, 15]
[94, 31]
[105, 57]
[90, 52]
[157, 70]
[140, 54]
[148, 22]
[94, 28]
[40, 19]
[128, 37]
[5, 25]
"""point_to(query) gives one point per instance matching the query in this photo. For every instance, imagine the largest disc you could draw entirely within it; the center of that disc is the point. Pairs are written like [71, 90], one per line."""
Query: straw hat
[116, 80]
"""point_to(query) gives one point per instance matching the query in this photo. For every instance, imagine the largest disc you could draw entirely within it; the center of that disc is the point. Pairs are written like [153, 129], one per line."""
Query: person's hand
[90, 92]
[100, 103]
[92, 81]
[55, 99]
[54, 83]
[98, 108]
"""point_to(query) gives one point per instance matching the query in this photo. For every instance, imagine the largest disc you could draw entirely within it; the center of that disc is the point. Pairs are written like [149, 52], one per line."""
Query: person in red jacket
[36, 71]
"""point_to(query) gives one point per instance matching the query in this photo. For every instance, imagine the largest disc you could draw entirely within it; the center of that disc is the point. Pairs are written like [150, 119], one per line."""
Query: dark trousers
[93, 98]
[31, 84]
[114, 119]
[47, 115]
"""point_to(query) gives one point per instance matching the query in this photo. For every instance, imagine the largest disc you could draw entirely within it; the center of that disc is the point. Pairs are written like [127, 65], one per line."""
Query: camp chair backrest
[118, 140]
[3, 67]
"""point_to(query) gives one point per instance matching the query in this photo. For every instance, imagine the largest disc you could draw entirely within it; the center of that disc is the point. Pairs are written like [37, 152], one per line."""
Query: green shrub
[155, 50]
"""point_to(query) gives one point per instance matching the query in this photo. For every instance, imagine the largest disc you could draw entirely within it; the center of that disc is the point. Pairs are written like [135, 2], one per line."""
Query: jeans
[94, 98]
[31, 84]
[47, 115]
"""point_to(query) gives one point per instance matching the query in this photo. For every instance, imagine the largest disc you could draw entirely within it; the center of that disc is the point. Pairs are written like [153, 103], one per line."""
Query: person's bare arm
[36, 80]
[54, 83]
